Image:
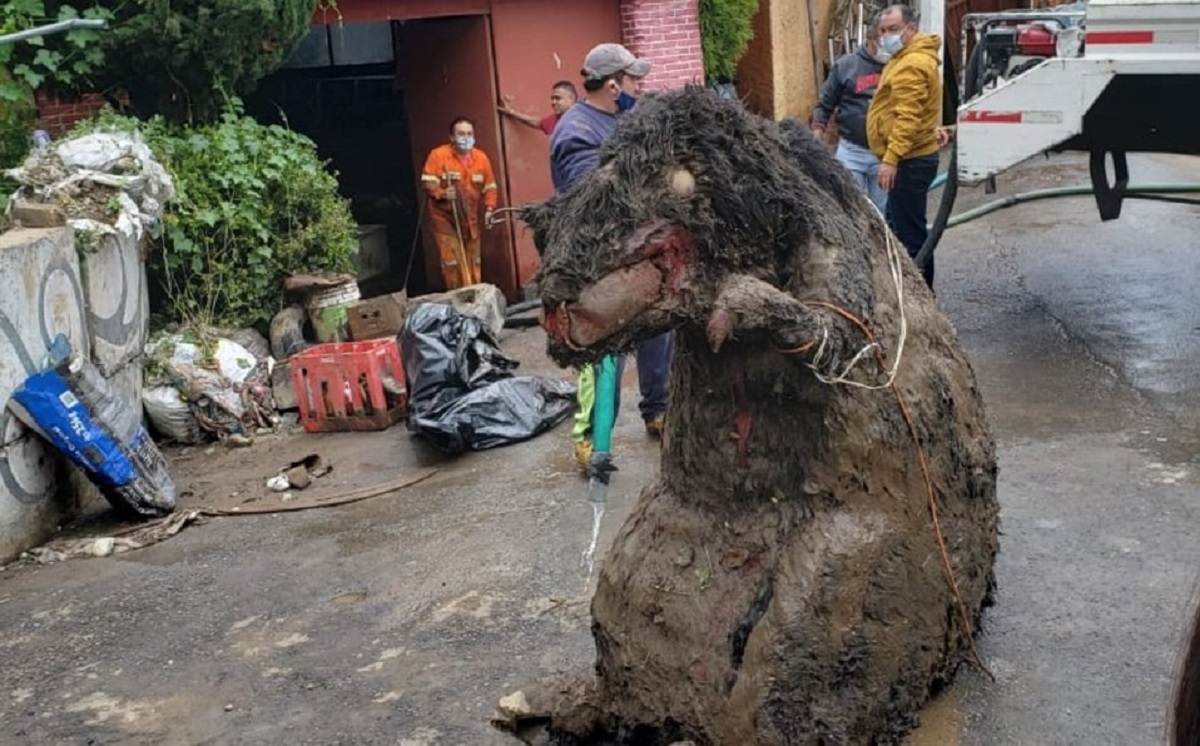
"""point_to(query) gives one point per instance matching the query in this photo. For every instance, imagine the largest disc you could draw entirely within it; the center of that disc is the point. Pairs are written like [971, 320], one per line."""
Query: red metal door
[444, 66]
[539, 42]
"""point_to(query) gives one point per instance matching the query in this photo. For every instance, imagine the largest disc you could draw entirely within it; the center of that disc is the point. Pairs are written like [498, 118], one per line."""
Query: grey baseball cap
[609, 59]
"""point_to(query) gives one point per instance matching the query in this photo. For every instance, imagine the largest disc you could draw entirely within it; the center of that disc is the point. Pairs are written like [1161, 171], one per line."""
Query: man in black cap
[612, 81]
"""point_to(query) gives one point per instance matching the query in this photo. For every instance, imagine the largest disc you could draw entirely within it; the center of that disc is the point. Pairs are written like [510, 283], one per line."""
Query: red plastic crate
[340, 386]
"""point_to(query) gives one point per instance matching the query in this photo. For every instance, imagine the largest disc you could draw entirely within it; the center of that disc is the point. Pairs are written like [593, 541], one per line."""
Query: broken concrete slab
[37, 214]
[284, 388]
[117, 299]
[483, 301]
[42, 300]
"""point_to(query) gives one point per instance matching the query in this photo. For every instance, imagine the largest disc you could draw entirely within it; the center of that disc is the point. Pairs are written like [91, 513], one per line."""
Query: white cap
[609, 59]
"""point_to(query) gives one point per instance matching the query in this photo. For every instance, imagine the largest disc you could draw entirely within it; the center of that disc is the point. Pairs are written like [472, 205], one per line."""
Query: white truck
[1106, 77]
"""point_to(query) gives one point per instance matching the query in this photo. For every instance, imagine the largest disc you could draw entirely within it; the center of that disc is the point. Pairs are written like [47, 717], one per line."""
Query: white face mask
[881, 56]
[890, 43]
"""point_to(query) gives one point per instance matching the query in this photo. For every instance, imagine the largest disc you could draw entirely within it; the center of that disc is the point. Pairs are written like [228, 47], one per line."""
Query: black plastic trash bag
[462, 394]
[446, 354]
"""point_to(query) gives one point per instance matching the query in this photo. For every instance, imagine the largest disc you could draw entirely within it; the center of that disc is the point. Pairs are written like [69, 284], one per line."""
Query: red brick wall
[57, 116]
[666, 32]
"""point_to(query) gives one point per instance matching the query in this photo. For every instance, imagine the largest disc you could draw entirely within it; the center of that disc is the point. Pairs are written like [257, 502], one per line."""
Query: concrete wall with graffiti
[98, 299]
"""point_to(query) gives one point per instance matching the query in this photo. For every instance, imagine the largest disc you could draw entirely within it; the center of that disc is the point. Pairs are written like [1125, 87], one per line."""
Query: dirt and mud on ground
[403, 618]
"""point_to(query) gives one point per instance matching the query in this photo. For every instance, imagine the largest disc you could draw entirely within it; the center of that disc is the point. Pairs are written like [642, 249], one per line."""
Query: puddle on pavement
[941, 722]
[167, 553]
[361, 542]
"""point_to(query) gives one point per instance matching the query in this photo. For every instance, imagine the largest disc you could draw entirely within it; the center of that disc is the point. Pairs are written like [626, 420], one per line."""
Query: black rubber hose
[522, 322]
[1133, 191]
[522, 307]
[951, 103]
[514, 317]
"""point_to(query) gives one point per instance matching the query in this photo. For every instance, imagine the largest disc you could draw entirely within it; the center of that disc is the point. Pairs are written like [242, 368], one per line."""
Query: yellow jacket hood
[920, 44]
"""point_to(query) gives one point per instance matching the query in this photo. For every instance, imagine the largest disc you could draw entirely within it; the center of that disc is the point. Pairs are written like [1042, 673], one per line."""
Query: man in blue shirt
[612, 81]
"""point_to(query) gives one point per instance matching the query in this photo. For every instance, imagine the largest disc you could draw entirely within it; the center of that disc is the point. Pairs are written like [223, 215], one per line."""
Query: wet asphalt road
[401, 619]
[1085, 337]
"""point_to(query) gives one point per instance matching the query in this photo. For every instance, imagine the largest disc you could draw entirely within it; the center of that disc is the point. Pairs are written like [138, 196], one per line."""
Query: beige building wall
[776, 76]
[755, 73]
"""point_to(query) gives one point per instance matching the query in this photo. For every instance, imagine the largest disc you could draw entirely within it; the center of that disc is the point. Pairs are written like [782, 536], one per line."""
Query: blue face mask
[625, 102]
[891, 44]
[464, 143]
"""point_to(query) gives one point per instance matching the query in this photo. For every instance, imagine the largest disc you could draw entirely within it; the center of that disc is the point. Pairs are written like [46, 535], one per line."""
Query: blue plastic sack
[75, 408]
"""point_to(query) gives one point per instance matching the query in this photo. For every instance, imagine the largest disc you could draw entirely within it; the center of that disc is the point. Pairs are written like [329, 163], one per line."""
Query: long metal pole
[466, 272]
[53, 28]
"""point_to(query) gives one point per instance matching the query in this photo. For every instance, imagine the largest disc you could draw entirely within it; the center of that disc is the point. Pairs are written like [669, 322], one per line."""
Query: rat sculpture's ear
[681, 181]
[537, 215]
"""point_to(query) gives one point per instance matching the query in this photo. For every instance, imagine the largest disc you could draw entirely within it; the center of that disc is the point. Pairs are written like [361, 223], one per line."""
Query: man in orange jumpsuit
[458, 177]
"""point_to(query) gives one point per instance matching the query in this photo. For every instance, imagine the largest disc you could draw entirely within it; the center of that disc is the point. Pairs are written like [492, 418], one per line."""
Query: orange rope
[922, 461]
[795, 350]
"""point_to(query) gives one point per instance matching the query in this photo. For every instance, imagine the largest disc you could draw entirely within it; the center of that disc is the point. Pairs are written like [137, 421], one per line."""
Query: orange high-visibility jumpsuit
[473, 179]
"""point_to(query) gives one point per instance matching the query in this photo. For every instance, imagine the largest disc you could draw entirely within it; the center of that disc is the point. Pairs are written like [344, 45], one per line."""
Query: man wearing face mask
[848, 90]
[612, 81]
[458, 177]
[902, 125]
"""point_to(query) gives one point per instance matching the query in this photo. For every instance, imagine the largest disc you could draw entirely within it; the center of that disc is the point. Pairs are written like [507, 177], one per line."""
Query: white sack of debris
[116, 167]
[199, 390]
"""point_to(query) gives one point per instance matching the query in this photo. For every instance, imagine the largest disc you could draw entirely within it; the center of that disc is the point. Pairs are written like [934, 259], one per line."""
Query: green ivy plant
[65, 59]
[60, 59]
[253, 204]
[16, 126]
[726, 29]
[182, 59]
[185, 59]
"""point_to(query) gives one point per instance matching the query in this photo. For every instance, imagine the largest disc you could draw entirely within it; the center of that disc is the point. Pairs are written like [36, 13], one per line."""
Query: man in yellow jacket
[902, 125]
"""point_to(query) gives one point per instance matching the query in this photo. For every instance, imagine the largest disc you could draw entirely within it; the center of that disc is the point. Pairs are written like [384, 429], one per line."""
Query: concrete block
[283, 388]
[78, 491]
[117, 301]
[37, 215]
[373, 259]
[128, 381]
[42, 298]
[379, 317]
[34, 497]
[485, 302]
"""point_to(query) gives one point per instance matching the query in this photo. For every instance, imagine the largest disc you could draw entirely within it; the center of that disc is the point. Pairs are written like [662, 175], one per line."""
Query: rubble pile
[102, 183]
[207, 389]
